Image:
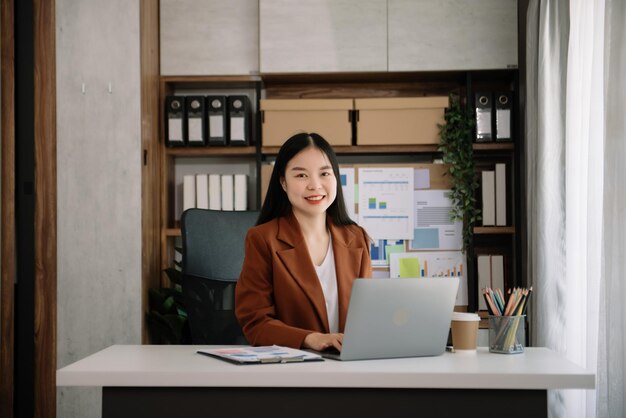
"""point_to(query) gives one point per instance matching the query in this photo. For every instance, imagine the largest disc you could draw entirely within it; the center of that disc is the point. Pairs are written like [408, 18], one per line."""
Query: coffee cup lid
[465, 316]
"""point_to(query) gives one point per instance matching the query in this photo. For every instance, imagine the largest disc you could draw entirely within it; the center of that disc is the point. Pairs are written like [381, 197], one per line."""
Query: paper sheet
[431, 264]
[349, 190]
[422, 178]
[433, 228]
[386, 202]
[380, 250]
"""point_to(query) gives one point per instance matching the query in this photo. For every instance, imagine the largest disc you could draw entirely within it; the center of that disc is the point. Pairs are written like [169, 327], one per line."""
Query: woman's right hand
[319, 342]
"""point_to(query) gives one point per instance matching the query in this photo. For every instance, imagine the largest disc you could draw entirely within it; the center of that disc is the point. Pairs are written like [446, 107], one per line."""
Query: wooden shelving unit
[481, 230]
[210, 151]
[505, 239]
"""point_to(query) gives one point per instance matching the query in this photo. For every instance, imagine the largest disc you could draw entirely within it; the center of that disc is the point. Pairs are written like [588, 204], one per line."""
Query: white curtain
[576, 159]
[546, 55]
[611, 382]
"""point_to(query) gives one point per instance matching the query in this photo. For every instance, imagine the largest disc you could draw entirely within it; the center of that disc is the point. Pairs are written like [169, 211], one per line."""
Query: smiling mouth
[314, 198]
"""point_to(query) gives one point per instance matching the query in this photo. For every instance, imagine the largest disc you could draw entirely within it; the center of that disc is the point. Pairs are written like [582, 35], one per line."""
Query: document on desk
[261, 355]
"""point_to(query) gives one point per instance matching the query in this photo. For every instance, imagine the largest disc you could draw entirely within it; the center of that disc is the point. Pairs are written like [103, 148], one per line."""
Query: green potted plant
[456, 147]
[167, 319]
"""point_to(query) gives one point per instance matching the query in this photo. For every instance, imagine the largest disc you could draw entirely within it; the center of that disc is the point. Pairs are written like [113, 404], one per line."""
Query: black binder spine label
[484, 108]
[175, 126]
[196, 120]
[504, 116]
[216, 118]
[239, 119]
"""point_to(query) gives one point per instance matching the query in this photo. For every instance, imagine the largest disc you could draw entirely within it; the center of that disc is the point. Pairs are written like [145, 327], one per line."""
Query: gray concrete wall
[202, 37]
[99, 185]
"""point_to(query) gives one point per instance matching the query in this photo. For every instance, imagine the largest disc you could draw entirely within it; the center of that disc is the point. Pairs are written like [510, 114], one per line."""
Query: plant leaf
[456, 147]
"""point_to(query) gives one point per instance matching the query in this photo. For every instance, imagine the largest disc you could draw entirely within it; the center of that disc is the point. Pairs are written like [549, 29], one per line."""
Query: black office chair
[213, 251]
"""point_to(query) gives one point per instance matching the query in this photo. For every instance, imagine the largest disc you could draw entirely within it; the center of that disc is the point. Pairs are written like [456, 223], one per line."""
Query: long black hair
[277, 203]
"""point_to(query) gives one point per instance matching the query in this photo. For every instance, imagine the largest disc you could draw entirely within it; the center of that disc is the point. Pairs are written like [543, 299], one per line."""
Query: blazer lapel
[298, 262]
[347, 261]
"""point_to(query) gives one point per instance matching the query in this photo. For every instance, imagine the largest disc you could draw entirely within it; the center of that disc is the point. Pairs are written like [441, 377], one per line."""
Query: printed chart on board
[386, 202]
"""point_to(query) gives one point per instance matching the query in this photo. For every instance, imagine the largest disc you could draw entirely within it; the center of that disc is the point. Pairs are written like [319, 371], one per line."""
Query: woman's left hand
[319, 342]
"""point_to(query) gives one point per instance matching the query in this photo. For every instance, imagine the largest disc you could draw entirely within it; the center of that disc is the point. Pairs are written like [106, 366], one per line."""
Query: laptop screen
[407, 317]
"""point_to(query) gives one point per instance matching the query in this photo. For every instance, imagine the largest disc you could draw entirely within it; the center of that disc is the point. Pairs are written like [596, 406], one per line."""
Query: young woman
[303, 254]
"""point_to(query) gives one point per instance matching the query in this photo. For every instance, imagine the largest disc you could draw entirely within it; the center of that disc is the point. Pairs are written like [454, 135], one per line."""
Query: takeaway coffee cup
[464, 330]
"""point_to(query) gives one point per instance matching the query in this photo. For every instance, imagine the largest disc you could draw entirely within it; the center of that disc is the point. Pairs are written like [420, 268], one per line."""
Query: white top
[328, 279]
[180, 365]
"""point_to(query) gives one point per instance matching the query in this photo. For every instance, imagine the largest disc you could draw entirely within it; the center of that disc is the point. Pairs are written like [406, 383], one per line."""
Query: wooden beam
[7, 276]
[151, 159]
[45, 208]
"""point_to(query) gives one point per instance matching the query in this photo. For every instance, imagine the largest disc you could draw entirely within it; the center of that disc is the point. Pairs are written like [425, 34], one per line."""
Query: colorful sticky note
[393, 249]
[409, 267]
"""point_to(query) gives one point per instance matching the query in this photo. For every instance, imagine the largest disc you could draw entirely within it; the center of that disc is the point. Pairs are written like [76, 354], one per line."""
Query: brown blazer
[279, 299]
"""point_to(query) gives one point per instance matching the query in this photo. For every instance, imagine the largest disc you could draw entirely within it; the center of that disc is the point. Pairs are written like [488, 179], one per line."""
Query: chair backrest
[213, 251]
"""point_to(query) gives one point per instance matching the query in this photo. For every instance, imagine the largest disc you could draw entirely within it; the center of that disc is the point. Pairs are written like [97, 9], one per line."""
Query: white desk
[175, 381]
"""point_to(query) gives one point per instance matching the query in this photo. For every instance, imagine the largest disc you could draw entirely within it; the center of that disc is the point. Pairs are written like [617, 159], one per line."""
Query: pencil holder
[507, 334]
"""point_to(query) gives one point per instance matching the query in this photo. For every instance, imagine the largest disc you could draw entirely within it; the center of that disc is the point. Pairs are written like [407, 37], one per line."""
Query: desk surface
[179, 366]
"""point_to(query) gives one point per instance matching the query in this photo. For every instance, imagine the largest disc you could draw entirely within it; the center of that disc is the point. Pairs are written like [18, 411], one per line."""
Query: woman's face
[310, 183]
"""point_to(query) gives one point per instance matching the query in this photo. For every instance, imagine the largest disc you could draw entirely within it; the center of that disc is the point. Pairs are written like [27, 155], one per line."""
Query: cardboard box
[330, 118]
[399, 121]
[266, 175]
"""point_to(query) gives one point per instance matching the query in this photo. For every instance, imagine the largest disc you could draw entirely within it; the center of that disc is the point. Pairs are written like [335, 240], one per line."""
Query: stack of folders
[493, 186]
[493, 116]
[208, 120]
[490, 275]
[215, 191]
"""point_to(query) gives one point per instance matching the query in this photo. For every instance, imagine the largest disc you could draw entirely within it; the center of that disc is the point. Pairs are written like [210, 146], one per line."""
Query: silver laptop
[389, 318]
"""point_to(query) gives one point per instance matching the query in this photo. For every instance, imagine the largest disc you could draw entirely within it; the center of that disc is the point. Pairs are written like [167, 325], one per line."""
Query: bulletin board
[418, 239]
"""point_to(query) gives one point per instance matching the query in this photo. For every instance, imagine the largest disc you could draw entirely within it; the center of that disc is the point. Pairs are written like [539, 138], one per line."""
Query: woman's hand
[320, 342]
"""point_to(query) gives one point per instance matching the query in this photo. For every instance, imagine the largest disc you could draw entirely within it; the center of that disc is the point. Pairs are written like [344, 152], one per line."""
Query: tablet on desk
[390, 318]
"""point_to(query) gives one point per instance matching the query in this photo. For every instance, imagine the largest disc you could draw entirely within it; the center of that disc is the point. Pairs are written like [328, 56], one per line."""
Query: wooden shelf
[484, 319]
[211, 151]
[493, 146]
[370, 149]
[457, 77]
[494, 230]
[195, 82]
[401, 149]
[489, 239]
[171, 232]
